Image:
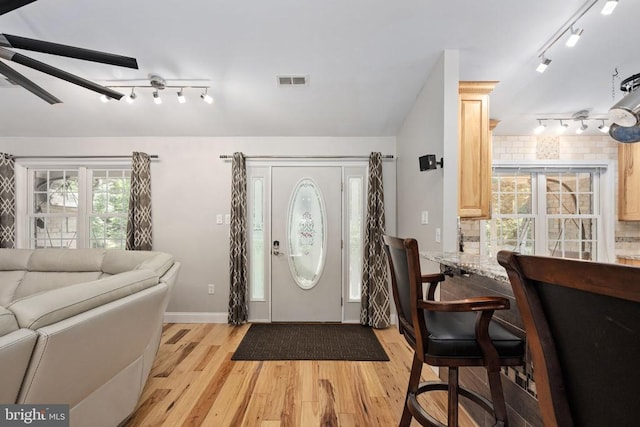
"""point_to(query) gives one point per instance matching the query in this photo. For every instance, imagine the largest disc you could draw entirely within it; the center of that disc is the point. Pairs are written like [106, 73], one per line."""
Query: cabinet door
[474, 150]
[629, 182]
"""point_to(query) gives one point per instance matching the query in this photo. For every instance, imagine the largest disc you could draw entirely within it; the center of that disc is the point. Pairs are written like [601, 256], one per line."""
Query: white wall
[431, 127]
[190, 185]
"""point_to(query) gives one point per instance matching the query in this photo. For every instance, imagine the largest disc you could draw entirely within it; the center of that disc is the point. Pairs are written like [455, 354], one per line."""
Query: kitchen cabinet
[474, 149]
[629, 182]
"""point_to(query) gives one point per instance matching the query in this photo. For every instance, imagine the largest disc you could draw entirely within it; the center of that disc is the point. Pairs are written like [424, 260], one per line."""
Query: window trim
[605, 189]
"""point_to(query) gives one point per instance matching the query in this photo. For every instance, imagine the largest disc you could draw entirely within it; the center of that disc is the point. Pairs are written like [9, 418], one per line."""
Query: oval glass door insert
[306, 231]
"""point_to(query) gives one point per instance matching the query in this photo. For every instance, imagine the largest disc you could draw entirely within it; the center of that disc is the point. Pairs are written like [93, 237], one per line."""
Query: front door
[306, 254]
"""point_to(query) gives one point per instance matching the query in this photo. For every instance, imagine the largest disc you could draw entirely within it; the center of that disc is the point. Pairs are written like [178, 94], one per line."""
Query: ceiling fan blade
[21, 80]
[9, 5]
[56, 72]
[8, 40]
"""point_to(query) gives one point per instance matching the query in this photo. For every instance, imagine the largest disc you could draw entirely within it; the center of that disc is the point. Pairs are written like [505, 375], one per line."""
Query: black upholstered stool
[449, 334]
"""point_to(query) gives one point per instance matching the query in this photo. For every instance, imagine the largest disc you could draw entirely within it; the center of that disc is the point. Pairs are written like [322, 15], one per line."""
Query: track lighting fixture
[132, 96]
[571, 27]
[156, 84]
[104, 98]
[608, 7]
[543, 64]
[574, 37]
[206, 97]
[181, 97]
[581, 117]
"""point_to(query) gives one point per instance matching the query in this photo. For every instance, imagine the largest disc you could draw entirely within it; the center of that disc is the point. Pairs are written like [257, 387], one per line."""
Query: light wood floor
[194, 382]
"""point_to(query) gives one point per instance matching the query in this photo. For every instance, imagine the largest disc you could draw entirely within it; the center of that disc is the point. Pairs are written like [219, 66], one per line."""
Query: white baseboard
[195, 317]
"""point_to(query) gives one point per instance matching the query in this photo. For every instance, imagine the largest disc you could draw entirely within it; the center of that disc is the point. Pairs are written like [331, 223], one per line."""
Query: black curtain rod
[153, 156]
[228, 156]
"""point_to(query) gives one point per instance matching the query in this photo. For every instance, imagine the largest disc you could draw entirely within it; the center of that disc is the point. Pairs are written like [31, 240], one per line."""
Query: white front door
[306, 254]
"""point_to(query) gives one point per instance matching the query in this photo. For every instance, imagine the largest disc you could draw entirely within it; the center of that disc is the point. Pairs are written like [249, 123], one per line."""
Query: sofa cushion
[56, 259]
[40, 281]
[9, 282]
[8, 322]
[45, 308]
[14, 259]
[118, 261]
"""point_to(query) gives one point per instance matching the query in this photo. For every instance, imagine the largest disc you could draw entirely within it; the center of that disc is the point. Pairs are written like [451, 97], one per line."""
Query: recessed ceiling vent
[293, 81]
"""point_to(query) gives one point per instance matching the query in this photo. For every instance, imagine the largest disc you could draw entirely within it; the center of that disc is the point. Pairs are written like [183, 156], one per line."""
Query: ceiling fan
[16, 42]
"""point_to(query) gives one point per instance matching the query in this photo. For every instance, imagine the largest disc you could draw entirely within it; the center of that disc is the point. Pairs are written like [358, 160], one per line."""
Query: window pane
[54, 232]
[356, 214]
[306, 233]
[257, 243]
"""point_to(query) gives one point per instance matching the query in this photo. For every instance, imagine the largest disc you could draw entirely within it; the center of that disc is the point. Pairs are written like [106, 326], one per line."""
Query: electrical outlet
[227, 219]
[212, 289]
[438, 235]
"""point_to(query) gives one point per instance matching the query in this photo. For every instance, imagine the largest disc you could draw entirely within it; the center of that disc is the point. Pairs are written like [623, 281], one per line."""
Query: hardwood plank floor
[194, 382]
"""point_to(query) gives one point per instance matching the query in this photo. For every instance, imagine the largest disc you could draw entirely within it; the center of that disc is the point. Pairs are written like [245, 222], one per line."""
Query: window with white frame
[76, 207]
[550, 211]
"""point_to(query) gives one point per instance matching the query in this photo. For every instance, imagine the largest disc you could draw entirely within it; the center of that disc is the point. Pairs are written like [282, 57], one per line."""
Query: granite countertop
[469, 263]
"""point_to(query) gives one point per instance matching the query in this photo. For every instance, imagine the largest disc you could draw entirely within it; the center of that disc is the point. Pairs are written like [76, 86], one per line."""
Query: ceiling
[366, 61]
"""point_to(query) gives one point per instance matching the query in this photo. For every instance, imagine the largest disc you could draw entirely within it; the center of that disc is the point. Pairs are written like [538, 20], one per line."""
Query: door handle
[275, 249]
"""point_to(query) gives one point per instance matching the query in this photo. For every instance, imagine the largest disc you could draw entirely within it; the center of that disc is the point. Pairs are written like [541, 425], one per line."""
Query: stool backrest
[582, 321]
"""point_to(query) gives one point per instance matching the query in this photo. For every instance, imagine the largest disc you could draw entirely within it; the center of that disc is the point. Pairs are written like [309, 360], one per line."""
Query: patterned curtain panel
[139, 234]
[238, 309]
[374, 305]
[7, 201]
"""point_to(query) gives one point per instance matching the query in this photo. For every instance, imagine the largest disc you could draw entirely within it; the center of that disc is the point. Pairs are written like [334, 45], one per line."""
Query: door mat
[310, 341]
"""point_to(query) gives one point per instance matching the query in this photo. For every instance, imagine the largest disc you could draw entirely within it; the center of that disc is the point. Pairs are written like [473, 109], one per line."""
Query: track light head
[156, 97]
[181, 97]
[540, 128]
[582, 128]
[603, 127]
[132, 96]
[574, 37]
[206, 97]
[104, 98]
[608, 7]
[563, 127]
[543, 64]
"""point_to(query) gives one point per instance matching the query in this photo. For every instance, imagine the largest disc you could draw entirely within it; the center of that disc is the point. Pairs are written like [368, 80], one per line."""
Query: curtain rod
[153, 156]
[228, 156]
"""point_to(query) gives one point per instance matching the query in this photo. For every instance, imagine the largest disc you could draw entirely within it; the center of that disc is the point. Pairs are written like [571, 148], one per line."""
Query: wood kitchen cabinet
[474, 150]
[629, 182]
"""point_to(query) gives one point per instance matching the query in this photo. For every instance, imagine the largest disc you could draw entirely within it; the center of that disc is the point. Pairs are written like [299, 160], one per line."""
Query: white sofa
[81, 327]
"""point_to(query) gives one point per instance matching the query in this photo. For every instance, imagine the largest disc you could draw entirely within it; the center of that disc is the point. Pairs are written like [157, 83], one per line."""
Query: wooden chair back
[582, 321]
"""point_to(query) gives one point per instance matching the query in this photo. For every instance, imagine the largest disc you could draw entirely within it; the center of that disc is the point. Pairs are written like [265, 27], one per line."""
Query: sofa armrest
[46, 308]
[15, 353]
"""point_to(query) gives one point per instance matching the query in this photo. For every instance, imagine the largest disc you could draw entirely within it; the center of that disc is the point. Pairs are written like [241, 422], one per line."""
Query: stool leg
[453, 397]
[414, 382]
[497, 396]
